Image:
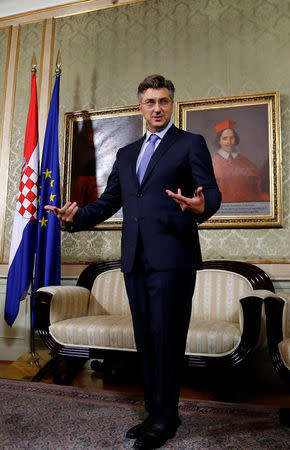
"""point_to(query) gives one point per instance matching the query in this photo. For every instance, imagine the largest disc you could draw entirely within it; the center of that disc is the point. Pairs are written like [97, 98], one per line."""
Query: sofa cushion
[108, 331]
[212, 337]
[116, 332]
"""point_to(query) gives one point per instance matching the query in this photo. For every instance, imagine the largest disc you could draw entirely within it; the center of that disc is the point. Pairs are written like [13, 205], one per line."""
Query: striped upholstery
[103, 331]
[284, 348]
[67, 302]
[286, 313]
[217, 294]
[212, 336]
[101, 319]
[108, 295]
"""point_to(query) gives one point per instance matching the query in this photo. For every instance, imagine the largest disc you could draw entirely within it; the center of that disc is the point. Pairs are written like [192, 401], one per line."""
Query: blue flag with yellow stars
[48, 247]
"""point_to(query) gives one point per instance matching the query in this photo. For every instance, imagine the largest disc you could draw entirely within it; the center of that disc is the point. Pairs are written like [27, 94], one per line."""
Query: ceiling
[11, 7]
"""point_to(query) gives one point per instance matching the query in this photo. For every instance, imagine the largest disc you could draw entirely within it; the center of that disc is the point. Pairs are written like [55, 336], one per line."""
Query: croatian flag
[23, 242]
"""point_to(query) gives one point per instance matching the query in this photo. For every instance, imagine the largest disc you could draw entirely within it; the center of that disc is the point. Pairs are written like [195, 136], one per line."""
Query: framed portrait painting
[243, 136]
[92, 139]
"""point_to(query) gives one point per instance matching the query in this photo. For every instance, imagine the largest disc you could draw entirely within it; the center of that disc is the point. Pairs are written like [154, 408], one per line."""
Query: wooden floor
[246, 386]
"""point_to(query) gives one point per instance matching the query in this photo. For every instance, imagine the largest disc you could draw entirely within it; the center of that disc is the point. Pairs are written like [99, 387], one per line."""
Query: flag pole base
[33, 360]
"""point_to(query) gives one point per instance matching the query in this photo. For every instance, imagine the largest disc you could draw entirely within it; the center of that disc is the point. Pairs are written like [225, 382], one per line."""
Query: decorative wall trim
[8, 108]
[45, 75]
[69, 9]
[3, 188]
[14, 341]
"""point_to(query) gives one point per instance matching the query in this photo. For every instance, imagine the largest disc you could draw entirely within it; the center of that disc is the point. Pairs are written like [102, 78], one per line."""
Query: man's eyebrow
[162, 98]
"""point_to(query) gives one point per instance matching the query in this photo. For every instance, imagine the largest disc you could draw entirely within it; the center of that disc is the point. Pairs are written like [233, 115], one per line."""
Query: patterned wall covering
[30, 41]
[4, 36]
[208, 48]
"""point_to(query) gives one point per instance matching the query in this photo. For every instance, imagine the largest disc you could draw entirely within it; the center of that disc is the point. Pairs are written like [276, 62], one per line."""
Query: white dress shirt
[160, 134]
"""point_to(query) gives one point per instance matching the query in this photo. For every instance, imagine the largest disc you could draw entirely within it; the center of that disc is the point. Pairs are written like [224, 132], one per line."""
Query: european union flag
[48, 249]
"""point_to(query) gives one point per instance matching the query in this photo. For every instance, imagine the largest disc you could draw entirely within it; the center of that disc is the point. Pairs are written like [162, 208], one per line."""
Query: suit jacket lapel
[169, 139]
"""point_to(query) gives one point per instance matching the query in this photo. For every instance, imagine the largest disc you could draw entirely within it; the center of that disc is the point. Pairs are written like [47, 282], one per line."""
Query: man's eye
[149, 102]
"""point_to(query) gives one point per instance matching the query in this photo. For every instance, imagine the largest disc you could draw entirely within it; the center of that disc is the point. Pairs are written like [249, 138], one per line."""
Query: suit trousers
[160, 303]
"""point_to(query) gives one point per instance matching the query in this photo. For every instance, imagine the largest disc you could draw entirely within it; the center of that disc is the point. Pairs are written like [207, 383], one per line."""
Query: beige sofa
[92, 318]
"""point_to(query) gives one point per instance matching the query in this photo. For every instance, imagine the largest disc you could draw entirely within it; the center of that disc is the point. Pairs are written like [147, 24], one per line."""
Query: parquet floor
[248, 386]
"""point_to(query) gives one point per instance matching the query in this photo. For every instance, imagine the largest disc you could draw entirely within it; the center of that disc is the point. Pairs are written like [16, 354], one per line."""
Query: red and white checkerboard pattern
[27, 201]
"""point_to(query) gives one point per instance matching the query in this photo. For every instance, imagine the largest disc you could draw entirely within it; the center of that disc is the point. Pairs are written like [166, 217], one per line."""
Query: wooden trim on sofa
[274, 307]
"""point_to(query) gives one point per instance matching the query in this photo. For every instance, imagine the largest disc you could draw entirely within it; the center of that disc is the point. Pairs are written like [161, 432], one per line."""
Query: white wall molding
[67, 9]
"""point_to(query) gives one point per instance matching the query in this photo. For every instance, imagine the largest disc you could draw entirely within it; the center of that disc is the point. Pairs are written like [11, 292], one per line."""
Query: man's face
[227, 140]
[156, 107]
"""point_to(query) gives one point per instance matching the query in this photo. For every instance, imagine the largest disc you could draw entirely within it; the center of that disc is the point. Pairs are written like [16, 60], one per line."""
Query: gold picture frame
[251, 185]
[92, 139]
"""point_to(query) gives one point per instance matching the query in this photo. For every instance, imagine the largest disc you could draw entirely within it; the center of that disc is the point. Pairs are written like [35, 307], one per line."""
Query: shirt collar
[226, 155]
[160, 134]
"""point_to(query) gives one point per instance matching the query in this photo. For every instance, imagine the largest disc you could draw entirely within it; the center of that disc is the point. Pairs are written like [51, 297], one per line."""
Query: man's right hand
[66, 213]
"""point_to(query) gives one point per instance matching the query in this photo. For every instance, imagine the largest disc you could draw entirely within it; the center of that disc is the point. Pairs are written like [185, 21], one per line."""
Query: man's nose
[157, 106]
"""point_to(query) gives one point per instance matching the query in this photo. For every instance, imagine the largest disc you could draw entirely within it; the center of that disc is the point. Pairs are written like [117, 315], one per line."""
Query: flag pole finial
[33, 64]
[58, 64]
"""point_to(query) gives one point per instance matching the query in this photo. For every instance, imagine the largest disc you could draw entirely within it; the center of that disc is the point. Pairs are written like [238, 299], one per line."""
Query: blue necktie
[146, 157]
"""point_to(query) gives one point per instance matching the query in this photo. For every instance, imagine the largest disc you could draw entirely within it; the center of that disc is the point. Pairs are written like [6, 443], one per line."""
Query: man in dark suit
[166, 186]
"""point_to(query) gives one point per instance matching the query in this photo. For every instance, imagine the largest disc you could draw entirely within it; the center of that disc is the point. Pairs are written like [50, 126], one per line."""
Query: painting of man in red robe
[238, 178]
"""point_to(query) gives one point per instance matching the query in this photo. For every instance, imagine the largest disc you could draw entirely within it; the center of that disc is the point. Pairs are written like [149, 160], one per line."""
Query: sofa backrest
[216, 295]
[108, 294]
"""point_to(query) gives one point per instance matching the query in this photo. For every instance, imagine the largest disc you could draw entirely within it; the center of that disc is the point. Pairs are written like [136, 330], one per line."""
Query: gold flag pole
[34, 359]
[58, 64]
[33, 64]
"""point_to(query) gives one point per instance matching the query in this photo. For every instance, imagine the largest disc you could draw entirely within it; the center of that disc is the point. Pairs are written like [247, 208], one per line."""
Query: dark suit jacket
[170, 236]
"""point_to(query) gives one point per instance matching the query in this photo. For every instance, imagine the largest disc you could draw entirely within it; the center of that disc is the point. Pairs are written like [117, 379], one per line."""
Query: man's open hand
[194, 205]
[66, 213]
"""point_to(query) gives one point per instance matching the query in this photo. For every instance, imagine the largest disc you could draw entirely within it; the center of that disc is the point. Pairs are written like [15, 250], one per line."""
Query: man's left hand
[194, 205]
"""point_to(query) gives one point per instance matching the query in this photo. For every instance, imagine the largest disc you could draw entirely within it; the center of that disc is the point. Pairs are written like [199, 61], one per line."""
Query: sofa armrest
[251, 324]
[278, 324]
[285, 298]
[65, 302]
[245, 305]
[278, 315]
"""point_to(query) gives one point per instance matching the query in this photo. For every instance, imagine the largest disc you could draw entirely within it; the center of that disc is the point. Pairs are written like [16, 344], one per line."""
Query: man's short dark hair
[155, 82]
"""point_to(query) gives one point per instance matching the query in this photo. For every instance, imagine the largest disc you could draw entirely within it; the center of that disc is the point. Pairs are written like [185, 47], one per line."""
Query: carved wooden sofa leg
[61, 370]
